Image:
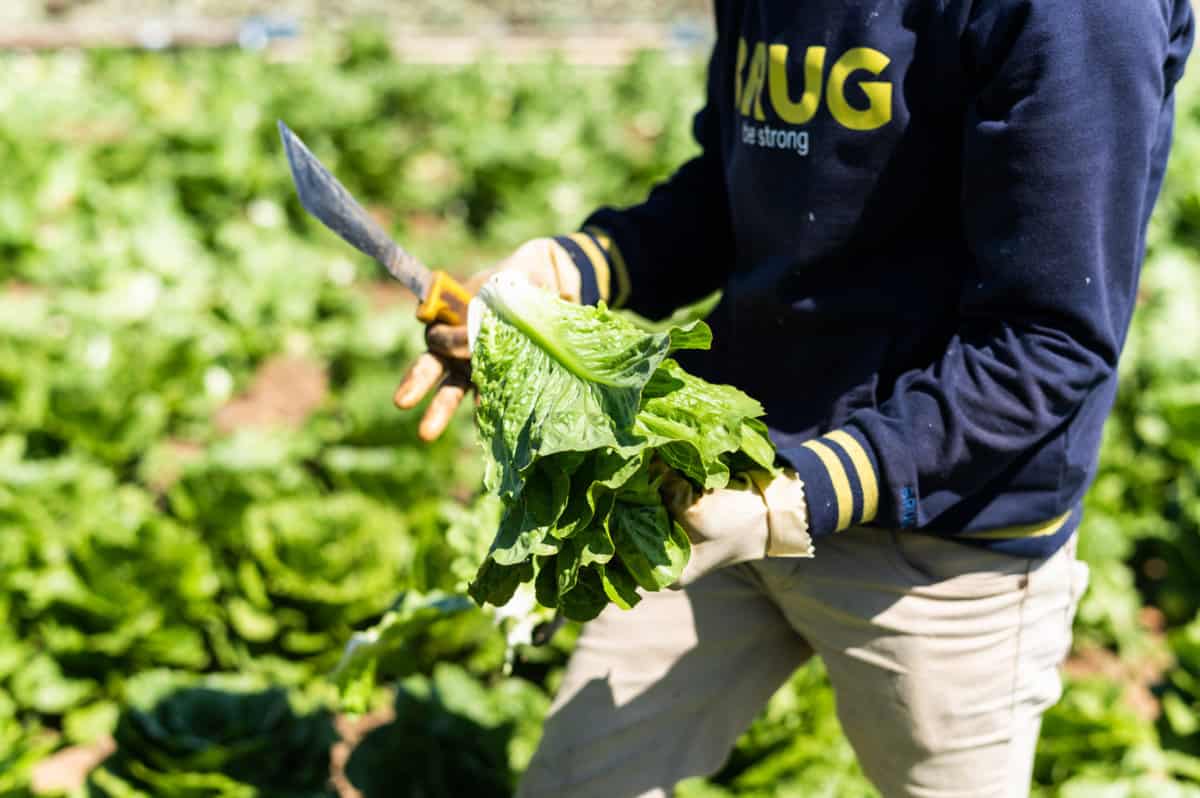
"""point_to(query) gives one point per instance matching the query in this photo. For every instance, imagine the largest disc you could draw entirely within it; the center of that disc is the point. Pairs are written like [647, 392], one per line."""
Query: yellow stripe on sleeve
[1040, 530]
[841, 483]
[614, 255]
[866, 474]
[599, 263]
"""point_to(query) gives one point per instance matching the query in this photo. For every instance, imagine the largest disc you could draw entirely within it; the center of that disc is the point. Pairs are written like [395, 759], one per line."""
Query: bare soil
[1137, 676]
[285, 392]
[68, 769]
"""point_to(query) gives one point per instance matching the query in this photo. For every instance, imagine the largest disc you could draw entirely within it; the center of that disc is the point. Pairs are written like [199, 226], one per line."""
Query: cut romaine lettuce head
[576, 406]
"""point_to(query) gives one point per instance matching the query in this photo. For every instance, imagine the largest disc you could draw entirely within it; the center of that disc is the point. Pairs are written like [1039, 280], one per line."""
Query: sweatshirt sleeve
[1065, 133]
[677, 246]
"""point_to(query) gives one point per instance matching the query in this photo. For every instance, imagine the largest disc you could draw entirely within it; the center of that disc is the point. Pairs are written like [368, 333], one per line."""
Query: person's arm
[1065, 134]
[677, 246]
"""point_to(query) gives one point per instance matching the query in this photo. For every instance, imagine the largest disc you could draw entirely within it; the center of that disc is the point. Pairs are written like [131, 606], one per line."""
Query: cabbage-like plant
[452, 736]
[202, 741]
[315, 567]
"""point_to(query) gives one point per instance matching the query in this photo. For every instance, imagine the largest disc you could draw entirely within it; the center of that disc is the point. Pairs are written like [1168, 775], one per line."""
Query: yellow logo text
[768, 69]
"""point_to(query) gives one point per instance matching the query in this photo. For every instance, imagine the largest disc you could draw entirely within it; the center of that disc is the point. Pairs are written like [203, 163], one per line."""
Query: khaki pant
[943, 659]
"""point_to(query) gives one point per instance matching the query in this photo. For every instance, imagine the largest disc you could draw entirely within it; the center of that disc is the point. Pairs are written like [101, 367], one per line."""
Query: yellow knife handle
[447, 301]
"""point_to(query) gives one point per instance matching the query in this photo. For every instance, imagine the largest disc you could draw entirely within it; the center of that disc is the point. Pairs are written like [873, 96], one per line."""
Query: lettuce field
[205, 491]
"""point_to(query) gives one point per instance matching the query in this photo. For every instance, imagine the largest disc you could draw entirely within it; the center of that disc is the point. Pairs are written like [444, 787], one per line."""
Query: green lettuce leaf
[417, 632]
[693, 423]
[577, 406]
[21, 748]
[555, 378]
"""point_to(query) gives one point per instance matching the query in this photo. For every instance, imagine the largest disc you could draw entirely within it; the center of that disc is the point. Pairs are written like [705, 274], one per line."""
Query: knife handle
[446, 301]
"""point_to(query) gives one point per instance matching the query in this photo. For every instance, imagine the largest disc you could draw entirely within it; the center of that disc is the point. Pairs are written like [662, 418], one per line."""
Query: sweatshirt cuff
[614, 265]
[841, 481]
[590, 263]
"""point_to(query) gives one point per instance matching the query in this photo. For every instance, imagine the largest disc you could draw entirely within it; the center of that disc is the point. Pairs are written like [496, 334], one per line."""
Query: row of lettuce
[204, 489]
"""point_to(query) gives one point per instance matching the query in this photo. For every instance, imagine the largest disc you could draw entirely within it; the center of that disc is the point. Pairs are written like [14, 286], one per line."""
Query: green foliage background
[154, 265]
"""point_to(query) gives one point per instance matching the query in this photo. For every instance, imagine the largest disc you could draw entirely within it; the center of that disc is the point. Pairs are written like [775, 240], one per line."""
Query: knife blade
[322, 195]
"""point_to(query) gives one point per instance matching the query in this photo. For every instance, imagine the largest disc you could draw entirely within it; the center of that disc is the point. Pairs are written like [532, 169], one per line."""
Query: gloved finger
[448, 341]
[441, 409]
[425, 373]
[677, 494]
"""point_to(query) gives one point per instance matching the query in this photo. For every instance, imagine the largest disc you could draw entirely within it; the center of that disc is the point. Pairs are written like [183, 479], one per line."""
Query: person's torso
[841, 132]
[840, 138]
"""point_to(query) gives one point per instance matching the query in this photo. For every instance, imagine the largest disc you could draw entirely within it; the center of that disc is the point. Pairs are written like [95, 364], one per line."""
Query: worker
[927, 220]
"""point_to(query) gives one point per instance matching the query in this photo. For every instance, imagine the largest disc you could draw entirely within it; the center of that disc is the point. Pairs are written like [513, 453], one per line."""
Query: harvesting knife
[442, 297]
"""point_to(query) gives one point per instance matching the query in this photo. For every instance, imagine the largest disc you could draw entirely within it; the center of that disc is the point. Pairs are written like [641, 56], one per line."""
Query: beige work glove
[446, 363]
[757, 515]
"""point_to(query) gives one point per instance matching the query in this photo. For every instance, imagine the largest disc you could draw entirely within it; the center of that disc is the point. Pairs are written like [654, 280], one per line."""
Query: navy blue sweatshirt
[928, 219]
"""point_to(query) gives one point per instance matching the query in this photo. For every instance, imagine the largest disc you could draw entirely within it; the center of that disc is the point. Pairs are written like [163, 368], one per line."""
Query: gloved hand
[547, 265]
[757, 515]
